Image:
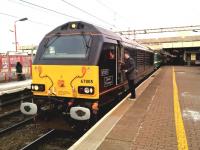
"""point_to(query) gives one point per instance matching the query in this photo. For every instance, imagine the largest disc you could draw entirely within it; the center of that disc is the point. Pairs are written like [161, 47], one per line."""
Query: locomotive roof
[92, 29]
[83, 27]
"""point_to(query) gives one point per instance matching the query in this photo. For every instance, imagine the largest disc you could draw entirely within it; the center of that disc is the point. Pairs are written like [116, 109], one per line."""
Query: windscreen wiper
[47, 44]
[87, 43]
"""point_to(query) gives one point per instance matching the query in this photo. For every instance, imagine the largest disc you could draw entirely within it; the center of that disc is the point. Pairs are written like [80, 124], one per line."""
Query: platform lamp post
[15, 30]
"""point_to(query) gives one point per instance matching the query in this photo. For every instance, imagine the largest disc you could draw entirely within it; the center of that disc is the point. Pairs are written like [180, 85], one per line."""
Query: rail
[16, 125]
[38, 141]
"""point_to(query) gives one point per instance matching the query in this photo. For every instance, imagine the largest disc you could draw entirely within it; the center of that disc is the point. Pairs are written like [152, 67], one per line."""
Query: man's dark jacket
[18, 68]
[130, 67]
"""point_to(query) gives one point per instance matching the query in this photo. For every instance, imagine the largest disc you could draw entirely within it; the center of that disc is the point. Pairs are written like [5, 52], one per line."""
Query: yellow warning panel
[66, 80]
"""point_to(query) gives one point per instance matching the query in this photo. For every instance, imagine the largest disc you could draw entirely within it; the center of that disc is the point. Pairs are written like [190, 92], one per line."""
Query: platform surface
[165, 116]
[14, 86]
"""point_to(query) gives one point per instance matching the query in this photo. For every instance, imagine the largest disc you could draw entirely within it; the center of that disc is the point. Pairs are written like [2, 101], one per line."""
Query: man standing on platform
[129, 68]
[19, 71]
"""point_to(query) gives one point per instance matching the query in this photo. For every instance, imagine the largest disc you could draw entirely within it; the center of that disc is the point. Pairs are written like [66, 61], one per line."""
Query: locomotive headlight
[73, 26]
[91, 90]
[86, 90]
[36, 87]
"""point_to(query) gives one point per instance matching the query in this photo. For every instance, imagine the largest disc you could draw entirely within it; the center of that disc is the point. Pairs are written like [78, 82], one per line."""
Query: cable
[26, 5]
[115, 13]
[57, 12]
[52, 83]
[107, 7]
[54, 11]
[36, 22]
[88, 13]
[5, 14]
[44, 24]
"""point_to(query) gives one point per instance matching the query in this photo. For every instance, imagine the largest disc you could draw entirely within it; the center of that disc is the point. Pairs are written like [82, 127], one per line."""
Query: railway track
[53, 139]
[8, 99]
[8, 103]
[40, 140]
[10, 115]
[12, 120]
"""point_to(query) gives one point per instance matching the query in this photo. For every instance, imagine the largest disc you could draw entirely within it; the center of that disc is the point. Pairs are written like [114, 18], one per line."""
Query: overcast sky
[115, 14]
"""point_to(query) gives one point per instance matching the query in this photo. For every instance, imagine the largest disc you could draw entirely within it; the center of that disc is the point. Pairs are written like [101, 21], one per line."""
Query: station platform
[14, 86]
[165, 116]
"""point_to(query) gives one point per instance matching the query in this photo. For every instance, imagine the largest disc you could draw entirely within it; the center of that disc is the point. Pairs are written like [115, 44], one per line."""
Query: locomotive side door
[107, 66]
[120, 58]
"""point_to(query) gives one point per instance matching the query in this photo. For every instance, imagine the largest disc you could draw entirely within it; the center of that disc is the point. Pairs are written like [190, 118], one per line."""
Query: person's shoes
[132, 98]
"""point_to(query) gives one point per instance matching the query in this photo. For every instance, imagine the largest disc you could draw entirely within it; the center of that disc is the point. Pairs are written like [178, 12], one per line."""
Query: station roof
[171, 42]
[170, 39]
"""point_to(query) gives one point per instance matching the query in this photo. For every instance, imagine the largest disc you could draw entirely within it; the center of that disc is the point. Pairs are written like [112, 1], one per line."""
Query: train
[74, 73]
[158, 60]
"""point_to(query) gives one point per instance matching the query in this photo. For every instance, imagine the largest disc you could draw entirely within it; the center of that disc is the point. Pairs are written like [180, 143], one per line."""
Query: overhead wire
[51, 10]
[110, 8]
[60, 13]
[32, 21]
[115, 13]
[36, 22]
[64, 14]
[5, 14]
[27, 5]
[107, 7]
[86, 12]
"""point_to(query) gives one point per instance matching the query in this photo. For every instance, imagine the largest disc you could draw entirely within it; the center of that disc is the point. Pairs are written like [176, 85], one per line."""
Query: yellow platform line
[180, 130]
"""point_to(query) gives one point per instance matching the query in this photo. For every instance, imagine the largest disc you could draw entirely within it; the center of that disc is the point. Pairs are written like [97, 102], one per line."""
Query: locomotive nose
[28, 108]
